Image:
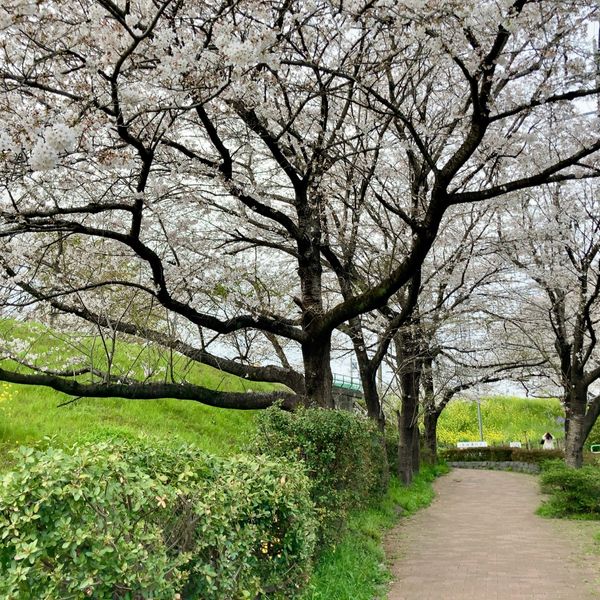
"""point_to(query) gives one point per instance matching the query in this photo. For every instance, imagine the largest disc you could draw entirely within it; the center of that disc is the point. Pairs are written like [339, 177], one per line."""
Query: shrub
[501, 453]
[537, 456]
[136, 521]
[343, 455]
[573, 492]
[255, 534]
[84, 523]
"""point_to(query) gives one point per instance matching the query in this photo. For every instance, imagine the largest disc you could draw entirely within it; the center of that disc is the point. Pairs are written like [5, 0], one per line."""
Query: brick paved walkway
[480, 540]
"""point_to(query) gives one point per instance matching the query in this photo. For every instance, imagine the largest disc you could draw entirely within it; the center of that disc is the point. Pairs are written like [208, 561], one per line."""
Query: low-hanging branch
[266, 373]
[249, 400]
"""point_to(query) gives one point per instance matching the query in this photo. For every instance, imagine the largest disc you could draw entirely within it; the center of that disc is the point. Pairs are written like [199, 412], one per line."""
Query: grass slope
[504, 420]
[29, 413]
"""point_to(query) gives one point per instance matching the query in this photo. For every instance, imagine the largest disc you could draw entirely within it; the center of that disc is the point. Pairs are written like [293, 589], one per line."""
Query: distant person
[547, 441]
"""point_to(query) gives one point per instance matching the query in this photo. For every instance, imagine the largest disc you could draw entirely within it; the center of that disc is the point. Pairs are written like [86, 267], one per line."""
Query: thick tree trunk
[317, 373]
[316, 351]
[416, 450]
[408, 428]
[575, 430]
[407, 351]
[574, 443]
[430, 421]
[430, 414]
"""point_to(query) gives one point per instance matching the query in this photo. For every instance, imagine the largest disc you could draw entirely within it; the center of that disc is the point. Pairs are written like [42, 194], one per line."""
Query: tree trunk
[410, 371]
[317, 373]
[368, 379]
[430, 421]
[575, 426]
[316, 351]
[416, 450]
[408, 428]
[430, 414]
[574, 441]
[368, 374]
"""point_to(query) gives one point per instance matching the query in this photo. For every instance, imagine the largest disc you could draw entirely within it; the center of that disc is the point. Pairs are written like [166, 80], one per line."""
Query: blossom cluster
[56, 140]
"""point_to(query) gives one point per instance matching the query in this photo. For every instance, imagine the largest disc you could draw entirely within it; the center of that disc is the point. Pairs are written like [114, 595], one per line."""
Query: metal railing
[347, 382]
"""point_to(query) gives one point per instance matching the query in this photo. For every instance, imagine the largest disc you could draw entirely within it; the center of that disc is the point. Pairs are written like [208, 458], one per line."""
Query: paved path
[480, 540]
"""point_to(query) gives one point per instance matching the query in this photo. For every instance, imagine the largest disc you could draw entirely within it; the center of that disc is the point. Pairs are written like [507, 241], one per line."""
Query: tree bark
[317, 373]
[416, 450]
[430, 414]
[407, 351]
[407, 426]
[368, 379]
[575, 426]
[430, 421]
[407, 423]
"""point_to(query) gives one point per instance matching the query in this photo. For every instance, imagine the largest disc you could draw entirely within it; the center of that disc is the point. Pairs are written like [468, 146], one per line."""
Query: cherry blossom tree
[142, 138]
[553, 237]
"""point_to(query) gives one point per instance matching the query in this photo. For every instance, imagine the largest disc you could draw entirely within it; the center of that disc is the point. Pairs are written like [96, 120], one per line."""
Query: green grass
[355, 569]
[28, 413]
[504, 419]
[32, 413]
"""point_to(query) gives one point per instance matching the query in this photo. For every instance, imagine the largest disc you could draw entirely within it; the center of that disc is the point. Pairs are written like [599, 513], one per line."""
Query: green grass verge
[355, 568]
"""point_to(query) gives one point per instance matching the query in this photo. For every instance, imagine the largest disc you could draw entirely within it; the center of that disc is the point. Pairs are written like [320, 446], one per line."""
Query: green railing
[346, 382]
[595, 448]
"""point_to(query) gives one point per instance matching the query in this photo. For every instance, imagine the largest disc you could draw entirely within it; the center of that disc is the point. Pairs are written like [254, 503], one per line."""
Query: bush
[537, 456]
[81, 524]
[343, 455]
[573, 492]
[125, 521]
[500, 453]
[255, 534]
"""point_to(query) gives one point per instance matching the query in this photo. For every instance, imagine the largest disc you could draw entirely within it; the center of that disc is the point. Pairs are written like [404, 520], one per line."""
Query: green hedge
[123, 521]
[537, 456]
[500, 453]
[573, 492]
[505, 453]
[343, 455]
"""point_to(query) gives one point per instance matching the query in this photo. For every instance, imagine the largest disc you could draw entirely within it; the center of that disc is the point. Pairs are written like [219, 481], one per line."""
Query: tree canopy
[240, 181]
